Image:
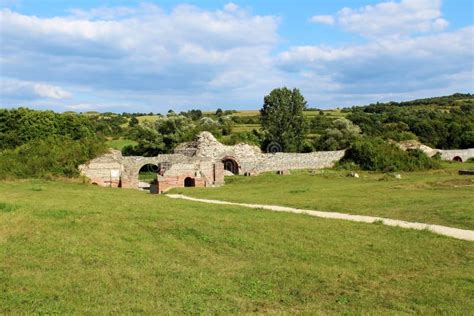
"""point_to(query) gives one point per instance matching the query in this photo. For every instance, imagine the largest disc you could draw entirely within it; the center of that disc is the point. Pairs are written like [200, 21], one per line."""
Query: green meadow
[68, 247]
[119, 144]
[435, 197]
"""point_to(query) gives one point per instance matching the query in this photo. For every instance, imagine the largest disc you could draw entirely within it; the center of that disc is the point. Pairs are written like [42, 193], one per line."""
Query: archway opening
[230, 165]
[457, 158]
[189, 182]
[147, 175]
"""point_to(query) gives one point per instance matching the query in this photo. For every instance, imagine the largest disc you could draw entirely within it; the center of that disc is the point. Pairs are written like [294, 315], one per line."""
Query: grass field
[331, 113]
[120, 143]
[148, 118]
[238, 128]
[435, 197]
[75, 248]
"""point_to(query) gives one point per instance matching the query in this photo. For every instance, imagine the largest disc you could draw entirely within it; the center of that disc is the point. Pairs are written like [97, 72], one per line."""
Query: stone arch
[230, 164]
[189, 182]
[147, 172]
[457, 158]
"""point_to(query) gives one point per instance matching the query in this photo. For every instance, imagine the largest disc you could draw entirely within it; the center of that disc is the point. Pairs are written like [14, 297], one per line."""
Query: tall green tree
[283, 121]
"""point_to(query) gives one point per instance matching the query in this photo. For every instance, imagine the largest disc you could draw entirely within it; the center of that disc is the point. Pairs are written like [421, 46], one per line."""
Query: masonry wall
[290, 161]
[464, 154]
[112, 169]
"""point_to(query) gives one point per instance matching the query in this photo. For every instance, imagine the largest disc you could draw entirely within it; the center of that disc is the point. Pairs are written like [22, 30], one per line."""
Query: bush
[254, 138]
[52, 156]
[376, 155]
[339, 136]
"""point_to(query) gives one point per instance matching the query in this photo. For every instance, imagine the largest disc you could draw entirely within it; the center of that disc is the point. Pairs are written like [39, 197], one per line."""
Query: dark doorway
[189, 182]
[148, 172]
[457, 158]
[231, 165]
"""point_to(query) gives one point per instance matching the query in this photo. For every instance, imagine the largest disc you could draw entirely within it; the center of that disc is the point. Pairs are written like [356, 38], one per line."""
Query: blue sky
[159, 55]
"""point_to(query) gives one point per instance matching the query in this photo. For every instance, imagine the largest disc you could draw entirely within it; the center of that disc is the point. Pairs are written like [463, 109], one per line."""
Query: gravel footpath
[457, 233]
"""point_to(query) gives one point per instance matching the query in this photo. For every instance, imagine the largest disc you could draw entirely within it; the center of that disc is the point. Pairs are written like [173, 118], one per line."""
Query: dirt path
[457, 233]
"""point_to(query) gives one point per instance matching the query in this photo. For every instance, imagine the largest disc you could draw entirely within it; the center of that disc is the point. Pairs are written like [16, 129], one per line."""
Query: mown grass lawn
[76, 248]
[434, 197]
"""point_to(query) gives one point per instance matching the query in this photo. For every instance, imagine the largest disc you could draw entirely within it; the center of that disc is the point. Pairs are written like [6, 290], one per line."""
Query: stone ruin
[205, 161]
[460, 155]
[201, 163]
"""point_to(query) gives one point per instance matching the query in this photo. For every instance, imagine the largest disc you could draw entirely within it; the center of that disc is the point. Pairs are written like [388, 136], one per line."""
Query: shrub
[341, 134]
[52, 156]
[376, 155]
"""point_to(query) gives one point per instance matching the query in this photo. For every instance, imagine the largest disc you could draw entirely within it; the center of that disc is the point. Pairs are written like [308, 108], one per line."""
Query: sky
[152, 56]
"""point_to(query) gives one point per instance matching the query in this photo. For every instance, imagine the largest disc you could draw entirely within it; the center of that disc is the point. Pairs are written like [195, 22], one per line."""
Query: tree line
[38, 142]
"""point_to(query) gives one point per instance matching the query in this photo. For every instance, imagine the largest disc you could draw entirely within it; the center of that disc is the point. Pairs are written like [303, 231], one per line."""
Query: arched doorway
[230, 165]
[147, 174]
[457, 158]
[189, 182]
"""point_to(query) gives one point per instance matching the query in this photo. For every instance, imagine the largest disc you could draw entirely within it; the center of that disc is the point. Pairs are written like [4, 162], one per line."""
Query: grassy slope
[436, 197]
[249, 127]
[120, 143]
[76, 248]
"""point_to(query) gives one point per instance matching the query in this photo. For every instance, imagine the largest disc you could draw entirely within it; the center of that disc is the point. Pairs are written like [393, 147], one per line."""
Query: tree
[150, 142]
[282, 119]
[133, 122]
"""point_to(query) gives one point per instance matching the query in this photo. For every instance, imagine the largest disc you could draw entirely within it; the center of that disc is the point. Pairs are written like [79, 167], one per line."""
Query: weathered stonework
[250, 160]
[445, 154]
[204, 161]
[114, 170]
[457, 154]
[201, 162]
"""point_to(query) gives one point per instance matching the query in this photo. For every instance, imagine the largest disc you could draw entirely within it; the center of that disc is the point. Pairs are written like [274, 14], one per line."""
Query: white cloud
[323, 19]
[18, 89]
[231, 7]
[385, 66]
[140, 50]
[389, 18]
[51, 92]
[146, 59]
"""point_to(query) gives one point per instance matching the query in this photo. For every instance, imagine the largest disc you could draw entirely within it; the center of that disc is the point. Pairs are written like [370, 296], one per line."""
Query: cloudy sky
[159, 55]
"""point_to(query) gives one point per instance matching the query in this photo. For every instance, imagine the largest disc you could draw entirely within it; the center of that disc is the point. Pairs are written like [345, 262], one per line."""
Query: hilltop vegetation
[43, 143]
[442, 122]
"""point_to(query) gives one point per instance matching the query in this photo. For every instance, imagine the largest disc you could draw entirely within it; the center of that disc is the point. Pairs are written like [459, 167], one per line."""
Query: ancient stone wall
[204, 160]
[105, 170]
[112, 169]
[250, 159]
[446, 154]
[464, 154]
[206, 145]
[290, 161]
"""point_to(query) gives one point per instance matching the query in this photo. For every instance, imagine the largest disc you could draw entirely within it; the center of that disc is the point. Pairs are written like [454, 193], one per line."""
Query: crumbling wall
[464, 154]
[291, 161]
[112, 169]
[206, 145]
[105, 170]
[251, 160]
